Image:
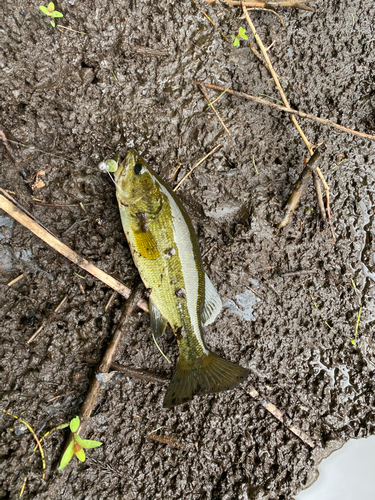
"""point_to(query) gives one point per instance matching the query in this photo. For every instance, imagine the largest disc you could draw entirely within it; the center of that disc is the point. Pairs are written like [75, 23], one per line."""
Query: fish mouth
[129, 162]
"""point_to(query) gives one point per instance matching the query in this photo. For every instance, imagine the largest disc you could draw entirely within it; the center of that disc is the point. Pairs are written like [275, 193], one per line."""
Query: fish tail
[210, 373]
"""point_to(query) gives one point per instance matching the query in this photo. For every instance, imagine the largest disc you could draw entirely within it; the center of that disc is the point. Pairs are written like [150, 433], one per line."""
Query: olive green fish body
[166, 252]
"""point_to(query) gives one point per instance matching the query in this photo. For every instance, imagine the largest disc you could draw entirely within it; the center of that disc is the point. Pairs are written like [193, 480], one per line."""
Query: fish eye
[138, 168]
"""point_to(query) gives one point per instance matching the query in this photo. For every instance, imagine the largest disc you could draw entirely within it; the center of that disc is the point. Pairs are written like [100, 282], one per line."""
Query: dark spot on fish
[161, 277]
[180, 293]
[123, 204]
[173, 281]
[170, 251]
[142, 218]
[180, 333]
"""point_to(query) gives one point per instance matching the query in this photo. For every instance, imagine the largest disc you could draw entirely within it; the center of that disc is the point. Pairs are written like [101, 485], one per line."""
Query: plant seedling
[77, 445]
[241, 34]
[50, 11]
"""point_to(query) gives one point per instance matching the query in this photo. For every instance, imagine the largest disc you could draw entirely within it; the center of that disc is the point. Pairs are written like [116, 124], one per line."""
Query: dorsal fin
[212, 303]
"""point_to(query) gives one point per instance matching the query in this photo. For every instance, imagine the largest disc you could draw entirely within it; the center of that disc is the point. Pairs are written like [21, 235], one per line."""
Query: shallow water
[347, 474]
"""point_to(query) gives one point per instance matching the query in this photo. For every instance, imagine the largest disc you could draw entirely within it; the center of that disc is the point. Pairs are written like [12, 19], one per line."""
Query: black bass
[166, 252]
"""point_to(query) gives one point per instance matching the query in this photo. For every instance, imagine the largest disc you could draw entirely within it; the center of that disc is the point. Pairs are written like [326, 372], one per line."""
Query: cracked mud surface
[83, 96]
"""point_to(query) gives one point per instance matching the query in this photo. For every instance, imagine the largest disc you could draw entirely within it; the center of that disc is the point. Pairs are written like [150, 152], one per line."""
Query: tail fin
[211, 374]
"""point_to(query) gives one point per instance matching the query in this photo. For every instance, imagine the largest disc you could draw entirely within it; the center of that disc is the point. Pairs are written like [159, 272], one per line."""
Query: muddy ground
[81, 97]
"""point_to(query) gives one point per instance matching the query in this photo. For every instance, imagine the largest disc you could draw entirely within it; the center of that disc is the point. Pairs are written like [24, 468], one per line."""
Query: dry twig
[259, 100]
[279, 415]
[139, 373]
[298, 190]
[45, 323]
[197, 165]
[297, 4]
[3, 137]
[167, 440]
[60, 247]
[109, 355]
[13, 282]
[214, 110]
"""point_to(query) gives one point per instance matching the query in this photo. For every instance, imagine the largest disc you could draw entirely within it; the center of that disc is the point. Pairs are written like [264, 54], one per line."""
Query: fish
[166, 252]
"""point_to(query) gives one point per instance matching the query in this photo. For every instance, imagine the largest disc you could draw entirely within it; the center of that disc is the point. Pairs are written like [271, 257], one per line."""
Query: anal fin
[212, 303]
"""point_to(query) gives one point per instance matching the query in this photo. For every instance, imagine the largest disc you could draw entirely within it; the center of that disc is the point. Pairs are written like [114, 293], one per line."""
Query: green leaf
[51, 6]
[69, 452]
[244, 37]
[74, 424]
[233, 37]
[62, 426]
[55, 13]
[90, 443]
[242, 33]
[87, 443]
[53, 23]
[352, 341]
[236, 42]
[81, 455]
[44, 10]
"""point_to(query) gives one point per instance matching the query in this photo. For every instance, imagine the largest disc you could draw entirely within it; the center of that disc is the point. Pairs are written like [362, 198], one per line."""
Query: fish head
[134, 178]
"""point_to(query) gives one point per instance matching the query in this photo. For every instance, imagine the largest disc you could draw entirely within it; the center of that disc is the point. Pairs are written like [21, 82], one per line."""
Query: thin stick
[258, 100]
[166, 440]
[319, 194]
[60, 247]
[214, 110]
[109, 355]
[139, 373]
[35, 437]
[41, 150]
[280, 416]
[275, 77]
[22, 209]
[256, 54]
[267, 10]
[298, 189]
[23, 487]
[48, 320]
[110, 301]
[161, 352]
[197, 165]
[3, 137]
[15, 280]
[326, 189]
[297, 4]
[217, 98]
[70, 29]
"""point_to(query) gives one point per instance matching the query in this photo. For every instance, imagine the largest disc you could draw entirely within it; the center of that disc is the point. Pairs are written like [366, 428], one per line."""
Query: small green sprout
[77, 445]
[51, 12]
[241, 34]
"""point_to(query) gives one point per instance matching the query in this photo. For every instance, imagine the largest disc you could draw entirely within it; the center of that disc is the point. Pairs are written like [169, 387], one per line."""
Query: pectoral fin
[158, 323]
[212, 303]
[146, 245]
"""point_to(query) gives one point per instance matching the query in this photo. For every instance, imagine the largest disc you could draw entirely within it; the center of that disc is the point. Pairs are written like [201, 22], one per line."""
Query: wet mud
[72, 100]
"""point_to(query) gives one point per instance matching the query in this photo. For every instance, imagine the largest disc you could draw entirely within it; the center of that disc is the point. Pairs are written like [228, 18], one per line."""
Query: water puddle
[338, 374]
[243, 305]
[347, 474]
